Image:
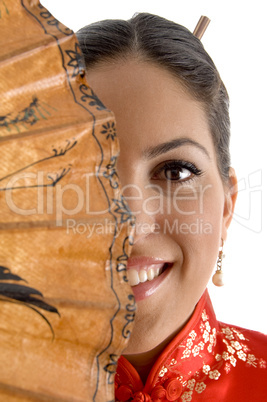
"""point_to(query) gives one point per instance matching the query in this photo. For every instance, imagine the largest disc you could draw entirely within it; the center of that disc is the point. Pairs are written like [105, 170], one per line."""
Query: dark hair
[175, 48]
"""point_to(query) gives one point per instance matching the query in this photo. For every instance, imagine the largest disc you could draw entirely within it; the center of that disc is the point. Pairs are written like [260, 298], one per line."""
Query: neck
[143, 362]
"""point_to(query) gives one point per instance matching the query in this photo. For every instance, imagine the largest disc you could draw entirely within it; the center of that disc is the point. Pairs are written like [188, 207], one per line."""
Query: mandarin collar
[183, 357]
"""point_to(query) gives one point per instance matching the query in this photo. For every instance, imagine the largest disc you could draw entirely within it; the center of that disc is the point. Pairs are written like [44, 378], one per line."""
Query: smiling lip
[146, 274]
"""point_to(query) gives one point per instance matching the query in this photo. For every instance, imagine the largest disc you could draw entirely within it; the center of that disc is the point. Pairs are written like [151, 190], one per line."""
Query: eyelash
[178, 165]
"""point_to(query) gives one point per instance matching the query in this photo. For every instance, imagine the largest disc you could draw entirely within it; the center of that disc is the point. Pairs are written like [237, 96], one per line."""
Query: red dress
[206, 361]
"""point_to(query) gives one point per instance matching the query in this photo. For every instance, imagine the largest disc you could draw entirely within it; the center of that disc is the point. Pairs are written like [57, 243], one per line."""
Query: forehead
[150, 104]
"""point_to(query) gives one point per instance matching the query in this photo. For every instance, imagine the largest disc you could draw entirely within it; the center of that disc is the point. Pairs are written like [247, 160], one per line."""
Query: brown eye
[177, 173]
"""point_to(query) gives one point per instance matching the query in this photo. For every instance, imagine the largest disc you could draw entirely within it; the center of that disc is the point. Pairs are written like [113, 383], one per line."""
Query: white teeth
[133, 277]
[148, 274]
[142, 276]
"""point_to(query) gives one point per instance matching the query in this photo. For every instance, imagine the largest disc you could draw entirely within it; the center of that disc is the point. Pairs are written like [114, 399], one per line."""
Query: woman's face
[169, 175]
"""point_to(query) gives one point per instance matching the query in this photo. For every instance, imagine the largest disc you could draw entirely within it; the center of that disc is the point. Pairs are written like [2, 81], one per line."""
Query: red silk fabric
[207, 361]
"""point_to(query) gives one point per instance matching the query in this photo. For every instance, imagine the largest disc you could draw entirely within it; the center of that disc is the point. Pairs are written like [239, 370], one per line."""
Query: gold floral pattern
[235, 350]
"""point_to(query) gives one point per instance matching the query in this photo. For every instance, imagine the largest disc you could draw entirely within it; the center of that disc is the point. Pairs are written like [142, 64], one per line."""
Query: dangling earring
[217, 278]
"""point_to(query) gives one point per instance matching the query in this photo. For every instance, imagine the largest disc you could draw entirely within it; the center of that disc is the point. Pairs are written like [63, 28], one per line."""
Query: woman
[171, 109]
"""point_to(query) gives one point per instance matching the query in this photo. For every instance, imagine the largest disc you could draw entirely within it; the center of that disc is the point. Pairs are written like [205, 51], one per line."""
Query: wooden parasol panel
[66, 310]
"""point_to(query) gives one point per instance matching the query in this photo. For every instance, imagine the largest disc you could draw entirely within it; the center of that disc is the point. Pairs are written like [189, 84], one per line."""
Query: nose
[142, 206]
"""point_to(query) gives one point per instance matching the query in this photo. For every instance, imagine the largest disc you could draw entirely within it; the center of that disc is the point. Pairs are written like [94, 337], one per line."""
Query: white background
[236, 40]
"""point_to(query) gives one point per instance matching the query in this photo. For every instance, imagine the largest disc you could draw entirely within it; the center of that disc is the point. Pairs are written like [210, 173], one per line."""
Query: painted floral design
[109, 130]
[111, 173]
[76, 60]
[89, 95]
[123, 210]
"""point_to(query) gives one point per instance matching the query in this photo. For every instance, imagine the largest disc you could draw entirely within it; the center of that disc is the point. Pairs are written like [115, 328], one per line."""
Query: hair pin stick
[201, 27]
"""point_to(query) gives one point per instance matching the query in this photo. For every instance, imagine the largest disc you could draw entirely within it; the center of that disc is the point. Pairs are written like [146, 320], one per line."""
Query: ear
[231, 190]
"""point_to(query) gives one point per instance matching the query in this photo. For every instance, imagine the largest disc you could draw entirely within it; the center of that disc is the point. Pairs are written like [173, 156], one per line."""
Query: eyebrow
[153, 152]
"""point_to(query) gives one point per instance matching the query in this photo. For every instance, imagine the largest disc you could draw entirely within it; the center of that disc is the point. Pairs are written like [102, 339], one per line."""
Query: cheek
[194, 222]
[187, 208]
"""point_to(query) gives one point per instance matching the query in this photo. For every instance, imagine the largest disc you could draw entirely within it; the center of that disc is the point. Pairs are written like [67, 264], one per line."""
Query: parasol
[66, 310]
